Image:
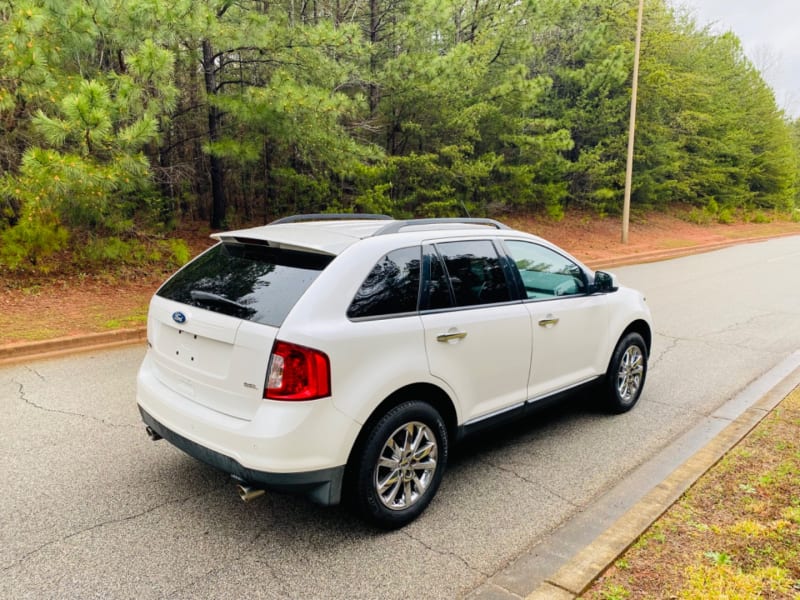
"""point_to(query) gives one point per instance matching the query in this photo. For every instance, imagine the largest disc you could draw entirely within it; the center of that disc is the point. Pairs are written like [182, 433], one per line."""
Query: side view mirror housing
[604, 283]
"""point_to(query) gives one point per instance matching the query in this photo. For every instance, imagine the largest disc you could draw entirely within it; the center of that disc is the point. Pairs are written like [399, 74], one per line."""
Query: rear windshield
[247, 281]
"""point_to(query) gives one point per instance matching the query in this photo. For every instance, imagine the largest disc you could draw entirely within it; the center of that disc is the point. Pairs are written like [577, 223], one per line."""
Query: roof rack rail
[396, 226]
[331, 217]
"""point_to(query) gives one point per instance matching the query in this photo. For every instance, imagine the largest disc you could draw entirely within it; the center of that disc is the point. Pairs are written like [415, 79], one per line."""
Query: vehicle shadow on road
[538, 420]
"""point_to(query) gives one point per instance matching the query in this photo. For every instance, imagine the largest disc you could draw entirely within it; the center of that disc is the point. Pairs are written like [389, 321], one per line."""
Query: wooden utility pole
[626, 206]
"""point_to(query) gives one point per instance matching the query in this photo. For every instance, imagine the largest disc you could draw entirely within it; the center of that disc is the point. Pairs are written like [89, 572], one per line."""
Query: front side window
[247, 281]
[545, 273]
[475, 272]
[391, 288]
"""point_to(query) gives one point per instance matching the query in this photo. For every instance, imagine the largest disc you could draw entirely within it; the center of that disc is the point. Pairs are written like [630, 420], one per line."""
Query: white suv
[342, 355]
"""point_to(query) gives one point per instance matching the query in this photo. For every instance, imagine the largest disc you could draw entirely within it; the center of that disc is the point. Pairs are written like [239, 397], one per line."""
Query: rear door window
[437, 284]
[475, 272]
[247, 281]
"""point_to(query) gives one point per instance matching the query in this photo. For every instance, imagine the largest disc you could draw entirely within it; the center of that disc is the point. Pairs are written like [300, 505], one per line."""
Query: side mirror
[604, 283]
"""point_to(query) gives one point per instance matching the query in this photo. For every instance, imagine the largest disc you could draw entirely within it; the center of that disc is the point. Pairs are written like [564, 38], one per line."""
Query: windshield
[247, 281]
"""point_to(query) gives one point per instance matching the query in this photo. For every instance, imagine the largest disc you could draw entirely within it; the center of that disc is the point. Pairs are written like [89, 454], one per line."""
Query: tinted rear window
[391, 288]
[247, 281]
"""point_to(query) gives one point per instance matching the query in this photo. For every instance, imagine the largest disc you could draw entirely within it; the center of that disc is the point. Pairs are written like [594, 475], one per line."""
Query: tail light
[297, 373]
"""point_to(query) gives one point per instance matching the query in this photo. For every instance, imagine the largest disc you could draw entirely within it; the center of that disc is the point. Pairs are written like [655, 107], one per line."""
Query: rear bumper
[323, 486]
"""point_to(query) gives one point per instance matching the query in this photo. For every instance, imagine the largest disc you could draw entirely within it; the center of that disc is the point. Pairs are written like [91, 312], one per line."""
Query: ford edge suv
[341, 356]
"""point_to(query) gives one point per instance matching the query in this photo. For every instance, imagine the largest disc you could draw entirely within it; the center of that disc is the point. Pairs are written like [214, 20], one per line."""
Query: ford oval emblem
[179, 317]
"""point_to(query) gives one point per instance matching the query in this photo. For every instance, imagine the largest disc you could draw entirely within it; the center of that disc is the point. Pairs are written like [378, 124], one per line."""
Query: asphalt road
[90, 507]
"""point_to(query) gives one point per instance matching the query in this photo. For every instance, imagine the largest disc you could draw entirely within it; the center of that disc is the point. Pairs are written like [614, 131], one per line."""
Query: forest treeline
[118, 118]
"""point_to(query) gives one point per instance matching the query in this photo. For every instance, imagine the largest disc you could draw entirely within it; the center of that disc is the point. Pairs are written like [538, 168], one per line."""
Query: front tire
[401, 465]
[626, 373]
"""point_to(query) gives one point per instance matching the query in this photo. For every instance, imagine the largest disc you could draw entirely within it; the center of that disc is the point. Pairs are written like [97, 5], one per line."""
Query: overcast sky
[770, 33]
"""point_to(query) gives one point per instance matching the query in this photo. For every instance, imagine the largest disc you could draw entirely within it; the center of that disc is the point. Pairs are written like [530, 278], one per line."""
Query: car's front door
[478, 338]
[570, 327]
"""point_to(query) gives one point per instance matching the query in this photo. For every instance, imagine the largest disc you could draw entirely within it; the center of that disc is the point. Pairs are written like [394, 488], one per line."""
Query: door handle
[549, 321]
[449, 337]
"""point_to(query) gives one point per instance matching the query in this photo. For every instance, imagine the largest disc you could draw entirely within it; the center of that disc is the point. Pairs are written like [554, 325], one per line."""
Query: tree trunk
[374, 23]
[269, 193]
[218, 200]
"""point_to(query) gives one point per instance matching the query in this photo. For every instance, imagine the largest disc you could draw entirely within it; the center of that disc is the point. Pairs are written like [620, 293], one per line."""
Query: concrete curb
[28, 351]
[576, 575]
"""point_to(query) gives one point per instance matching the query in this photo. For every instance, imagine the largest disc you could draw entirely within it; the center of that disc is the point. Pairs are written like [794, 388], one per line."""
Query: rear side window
[391, 288]
[247, 281]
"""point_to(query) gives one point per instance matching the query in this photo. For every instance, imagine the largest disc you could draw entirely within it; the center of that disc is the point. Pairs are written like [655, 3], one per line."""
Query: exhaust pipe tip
[248, 493]
[152, 434]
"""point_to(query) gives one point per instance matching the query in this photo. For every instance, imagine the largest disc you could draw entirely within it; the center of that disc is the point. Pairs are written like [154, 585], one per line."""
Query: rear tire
[401, 465]
[626, 373]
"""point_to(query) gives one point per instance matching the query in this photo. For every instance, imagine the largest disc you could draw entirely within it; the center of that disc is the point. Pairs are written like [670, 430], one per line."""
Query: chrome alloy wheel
[406, 465]
[629, 376]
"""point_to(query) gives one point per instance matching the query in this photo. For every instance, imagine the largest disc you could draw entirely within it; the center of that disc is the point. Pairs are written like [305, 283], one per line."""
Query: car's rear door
[477, 336]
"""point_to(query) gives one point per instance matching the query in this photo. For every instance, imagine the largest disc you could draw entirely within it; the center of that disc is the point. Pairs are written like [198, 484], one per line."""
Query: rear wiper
[210, 298]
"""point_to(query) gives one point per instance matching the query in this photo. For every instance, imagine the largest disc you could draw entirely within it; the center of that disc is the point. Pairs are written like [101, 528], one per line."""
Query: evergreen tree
[90, 102]
[711, 133]
[116, 113]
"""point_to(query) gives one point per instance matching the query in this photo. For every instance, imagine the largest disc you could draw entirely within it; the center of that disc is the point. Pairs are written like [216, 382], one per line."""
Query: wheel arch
[426, 392]
[616, 401]
[641, 327]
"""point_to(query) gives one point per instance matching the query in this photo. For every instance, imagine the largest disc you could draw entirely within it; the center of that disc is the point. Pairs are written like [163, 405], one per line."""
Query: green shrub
[725, 216]
[115, 252]
[179, 252]
[32, 241]
[698, 216]
[102, 251]
[555, 210]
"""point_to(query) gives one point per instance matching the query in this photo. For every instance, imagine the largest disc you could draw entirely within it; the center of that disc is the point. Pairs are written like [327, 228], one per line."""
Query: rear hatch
[212, 325]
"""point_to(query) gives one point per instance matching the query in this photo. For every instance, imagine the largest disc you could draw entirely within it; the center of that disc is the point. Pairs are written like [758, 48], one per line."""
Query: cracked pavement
[92, 508]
